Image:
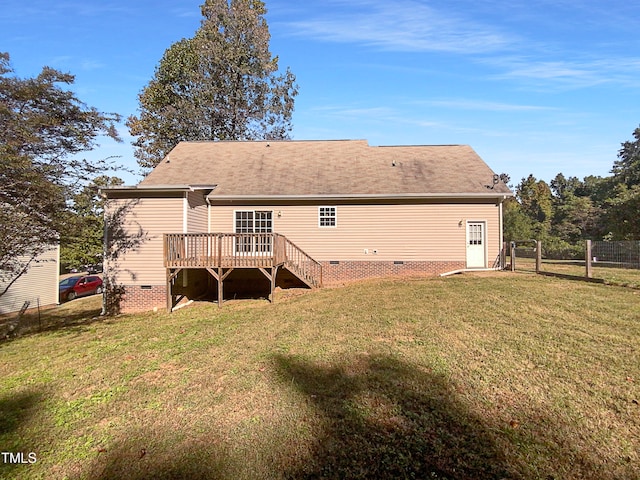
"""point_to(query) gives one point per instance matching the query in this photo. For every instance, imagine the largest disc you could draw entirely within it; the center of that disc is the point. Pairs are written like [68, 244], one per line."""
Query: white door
[476, 245]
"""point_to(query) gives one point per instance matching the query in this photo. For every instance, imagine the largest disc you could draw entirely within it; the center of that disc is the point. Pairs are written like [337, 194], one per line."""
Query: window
[327, 216]
[475, 234]
[253, 222]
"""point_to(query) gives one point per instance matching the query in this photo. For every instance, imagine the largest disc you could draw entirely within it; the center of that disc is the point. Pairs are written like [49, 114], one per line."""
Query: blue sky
[533, 86]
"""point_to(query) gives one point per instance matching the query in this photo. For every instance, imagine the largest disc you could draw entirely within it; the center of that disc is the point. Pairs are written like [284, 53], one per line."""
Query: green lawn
[468, 377]
[614, 276]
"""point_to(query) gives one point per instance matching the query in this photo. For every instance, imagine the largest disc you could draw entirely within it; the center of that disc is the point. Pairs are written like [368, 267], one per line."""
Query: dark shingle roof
[318, 168]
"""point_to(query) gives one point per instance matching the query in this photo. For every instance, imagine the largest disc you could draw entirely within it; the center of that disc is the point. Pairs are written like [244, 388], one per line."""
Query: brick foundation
[357, 270]
[136, 298]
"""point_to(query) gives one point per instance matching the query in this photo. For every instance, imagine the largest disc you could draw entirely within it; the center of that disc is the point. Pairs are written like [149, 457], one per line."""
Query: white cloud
[64, 62]
[466, 104]
[342, 111]
[571, 73]
[60, 61]
[90, 9]
[185, 12]
[405, 25]
[486, 31]
[91, 65]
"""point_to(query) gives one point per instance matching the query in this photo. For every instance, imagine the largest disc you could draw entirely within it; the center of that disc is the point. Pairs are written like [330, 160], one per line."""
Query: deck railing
[302, 264]
[239, 250]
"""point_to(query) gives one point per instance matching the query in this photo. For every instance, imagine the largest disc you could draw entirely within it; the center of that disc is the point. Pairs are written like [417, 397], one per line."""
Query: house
[37, 287]
[214, 217]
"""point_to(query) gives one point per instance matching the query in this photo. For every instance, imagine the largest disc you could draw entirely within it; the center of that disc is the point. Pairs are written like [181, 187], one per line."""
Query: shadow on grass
[150, 454]
[60, 318]
[14, 411]
[384, 418]
[576, 278]
[379, 418]
[133, 463]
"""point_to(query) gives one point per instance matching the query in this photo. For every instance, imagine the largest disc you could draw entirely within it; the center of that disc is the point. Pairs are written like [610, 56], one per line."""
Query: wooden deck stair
[302, 265]
[221, 253]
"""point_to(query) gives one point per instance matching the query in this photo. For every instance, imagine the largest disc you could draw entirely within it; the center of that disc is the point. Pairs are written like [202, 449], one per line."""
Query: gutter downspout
[501, 222]
[206, 198]
[185, 213]
[105, 263]
[57, 294]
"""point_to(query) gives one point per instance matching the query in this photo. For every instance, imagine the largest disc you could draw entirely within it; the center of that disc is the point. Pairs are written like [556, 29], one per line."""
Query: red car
[79, 286]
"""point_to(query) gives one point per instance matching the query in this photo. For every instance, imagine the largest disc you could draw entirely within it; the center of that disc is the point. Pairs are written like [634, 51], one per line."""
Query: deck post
[271, 276]
[220, 287]
[169, 299]
[274, 272]
[170, 276]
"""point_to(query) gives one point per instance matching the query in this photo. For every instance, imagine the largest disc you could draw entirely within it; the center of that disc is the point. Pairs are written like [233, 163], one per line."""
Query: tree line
[568, 210]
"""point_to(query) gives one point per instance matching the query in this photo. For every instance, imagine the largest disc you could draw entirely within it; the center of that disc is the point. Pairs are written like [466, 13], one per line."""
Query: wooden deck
[221, 253]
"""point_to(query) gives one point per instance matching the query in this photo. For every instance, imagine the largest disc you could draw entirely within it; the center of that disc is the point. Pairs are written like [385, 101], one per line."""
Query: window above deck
[327, 217]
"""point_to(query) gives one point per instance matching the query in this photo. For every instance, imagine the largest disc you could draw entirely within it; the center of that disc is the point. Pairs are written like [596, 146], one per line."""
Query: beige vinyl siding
[155, 216]
[38, 286]
[428, 232]
[196, 212]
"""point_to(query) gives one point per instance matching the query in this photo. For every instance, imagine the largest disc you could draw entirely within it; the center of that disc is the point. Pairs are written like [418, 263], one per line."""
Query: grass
[625, 277]
[473, 376]
[67, 315]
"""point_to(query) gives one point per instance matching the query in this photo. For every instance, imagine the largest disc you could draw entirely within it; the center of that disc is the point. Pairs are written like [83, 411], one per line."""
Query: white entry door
[476, 248]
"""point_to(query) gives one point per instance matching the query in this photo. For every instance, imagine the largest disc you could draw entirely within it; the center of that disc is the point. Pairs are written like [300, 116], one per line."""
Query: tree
[627, 168]
[623, 218]
[222, 84]
[575, 218]
[563, 187]
[576, 208]
[517, 225]
[44, 128]
[535, 200]
[622, 202]
[83, 242]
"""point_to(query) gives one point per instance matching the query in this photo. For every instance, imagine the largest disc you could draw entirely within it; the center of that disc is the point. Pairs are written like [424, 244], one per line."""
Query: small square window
[327, 216]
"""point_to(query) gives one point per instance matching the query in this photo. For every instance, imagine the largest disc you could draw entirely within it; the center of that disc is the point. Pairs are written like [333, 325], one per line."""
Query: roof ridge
[425, 145]
[282, 140]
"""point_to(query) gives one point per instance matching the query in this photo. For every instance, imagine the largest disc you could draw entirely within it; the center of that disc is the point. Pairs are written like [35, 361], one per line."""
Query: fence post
[503, 256]
[538, 256]
[513, 256]
[587, 257]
